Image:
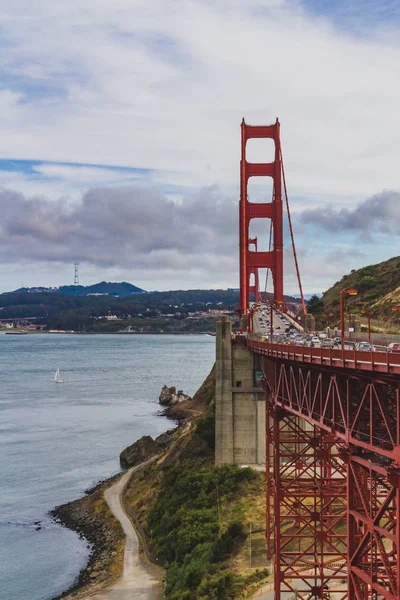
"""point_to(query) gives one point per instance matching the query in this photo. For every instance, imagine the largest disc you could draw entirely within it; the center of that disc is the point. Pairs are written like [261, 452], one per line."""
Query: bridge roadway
[374, 362]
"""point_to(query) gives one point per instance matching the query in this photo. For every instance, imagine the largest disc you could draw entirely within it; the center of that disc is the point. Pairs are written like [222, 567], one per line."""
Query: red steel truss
[309, 496]
[373, 529]
[267, 210]
[335, 440]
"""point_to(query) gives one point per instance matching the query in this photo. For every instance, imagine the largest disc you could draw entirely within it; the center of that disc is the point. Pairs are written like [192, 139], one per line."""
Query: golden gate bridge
[332, 432]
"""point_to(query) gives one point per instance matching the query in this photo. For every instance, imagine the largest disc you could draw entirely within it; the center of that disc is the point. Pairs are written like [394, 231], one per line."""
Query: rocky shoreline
[90, 517]
[95, 526]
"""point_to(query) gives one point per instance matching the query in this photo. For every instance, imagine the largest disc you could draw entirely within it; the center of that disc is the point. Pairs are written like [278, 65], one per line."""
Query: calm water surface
[56, 440]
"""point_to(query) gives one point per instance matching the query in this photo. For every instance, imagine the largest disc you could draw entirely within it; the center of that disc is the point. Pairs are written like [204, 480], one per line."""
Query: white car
[315, 340]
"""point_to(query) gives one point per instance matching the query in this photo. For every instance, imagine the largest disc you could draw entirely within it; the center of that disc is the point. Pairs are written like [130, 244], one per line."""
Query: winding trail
[137, 582]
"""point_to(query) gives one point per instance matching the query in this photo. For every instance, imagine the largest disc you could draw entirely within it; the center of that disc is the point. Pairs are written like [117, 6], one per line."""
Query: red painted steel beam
[260, 170]
[260, 211]
[260, 131]
[261, 259]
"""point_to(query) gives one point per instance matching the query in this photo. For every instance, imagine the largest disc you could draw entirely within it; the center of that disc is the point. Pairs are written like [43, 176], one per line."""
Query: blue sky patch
[356, 15]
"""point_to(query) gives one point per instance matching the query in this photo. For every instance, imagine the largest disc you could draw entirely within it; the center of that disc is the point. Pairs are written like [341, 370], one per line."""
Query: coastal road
[138, 582]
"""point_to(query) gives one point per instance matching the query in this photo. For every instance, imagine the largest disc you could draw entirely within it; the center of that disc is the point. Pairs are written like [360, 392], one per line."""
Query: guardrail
[361, 360]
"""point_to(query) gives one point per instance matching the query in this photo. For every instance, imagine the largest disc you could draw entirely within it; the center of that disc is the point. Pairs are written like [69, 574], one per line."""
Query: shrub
[206, 429]
[222, 586]
[186, 529]
[367, 282]
[229, 541]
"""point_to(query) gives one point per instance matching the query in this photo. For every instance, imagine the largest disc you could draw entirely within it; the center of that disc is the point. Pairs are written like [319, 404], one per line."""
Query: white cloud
[163, 85]
[145, 85]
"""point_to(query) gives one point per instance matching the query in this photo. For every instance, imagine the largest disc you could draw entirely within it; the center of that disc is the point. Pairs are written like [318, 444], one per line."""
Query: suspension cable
[292, 236]
[269, 250]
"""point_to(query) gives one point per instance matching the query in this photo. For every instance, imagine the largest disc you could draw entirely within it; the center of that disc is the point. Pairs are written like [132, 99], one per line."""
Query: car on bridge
[327, 343]
[394, 347]
[366, 346]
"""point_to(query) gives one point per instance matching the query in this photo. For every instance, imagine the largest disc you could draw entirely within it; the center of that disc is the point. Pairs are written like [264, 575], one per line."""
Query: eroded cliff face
[144, 448]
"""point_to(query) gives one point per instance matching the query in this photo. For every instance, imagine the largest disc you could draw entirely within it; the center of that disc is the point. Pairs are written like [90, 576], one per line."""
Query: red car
[394, 347]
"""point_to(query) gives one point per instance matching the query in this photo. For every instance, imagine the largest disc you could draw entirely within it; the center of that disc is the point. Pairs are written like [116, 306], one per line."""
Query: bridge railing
[382, 362]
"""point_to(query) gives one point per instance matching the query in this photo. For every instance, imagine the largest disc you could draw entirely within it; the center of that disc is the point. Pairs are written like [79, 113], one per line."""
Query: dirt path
[137, 581]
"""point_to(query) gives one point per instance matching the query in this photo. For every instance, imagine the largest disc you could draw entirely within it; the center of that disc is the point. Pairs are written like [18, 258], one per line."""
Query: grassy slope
[196, 517]
[378, 289]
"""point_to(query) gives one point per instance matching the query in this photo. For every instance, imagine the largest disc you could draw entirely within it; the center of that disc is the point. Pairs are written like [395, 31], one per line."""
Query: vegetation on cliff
[378, 288]
[195, 536]
[196, 516]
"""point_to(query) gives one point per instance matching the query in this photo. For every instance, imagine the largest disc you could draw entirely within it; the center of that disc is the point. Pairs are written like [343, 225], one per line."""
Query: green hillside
[378, 288]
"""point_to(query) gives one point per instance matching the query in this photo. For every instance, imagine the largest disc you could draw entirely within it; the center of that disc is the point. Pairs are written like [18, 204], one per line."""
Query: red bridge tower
[249, 260]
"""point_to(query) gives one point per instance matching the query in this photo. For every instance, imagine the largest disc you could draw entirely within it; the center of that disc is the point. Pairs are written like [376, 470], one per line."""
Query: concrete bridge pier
[239, 402]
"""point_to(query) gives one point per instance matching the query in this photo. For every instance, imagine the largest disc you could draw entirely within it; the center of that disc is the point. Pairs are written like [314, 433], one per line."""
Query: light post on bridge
[368, 313]
[349, 293]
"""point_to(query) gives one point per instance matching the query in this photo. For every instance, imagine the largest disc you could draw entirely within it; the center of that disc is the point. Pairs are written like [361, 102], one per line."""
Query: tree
[315, 305]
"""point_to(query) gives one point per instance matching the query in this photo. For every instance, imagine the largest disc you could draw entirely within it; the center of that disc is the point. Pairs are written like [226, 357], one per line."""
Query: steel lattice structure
[337, 431]
[333, 443]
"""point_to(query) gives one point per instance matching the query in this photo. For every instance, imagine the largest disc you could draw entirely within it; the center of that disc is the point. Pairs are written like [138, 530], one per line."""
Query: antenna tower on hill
[76, 276]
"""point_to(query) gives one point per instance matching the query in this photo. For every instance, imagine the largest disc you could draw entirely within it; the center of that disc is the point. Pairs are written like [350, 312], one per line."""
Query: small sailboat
[57, 377]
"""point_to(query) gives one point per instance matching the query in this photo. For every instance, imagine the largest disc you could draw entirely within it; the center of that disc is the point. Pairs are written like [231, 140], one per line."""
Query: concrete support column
[223, 394]
[239, 402]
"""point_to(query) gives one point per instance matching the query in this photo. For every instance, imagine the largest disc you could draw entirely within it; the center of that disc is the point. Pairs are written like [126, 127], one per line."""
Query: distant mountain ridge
[109, 288]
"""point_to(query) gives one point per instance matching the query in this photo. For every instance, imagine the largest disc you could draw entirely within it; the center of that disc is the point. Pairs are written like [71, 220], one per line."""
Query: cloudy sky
[120, 136]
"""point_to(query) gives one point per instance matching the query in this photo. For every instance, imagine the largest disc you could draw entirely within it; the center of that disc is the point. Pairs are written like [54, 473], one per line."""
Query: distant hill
[103, 288]
[112, 289]
[378, 288]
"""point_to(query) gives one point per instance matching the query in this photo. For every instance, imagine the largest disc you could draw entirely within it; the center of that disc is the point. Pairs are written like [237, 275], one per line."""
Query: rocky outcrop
[169, 396]
[164, 439]
[138, 452]
[167, 393]
[145, 448]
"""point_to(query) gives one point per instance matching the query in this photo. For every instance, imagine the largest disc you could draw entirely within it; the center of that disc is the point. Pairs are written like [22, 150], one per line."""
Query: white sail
[57, 377]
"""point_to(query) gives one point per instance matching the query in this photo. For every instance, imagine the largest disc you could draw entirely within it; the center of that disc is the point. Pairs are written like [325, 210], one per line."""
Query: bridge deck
[376, 362]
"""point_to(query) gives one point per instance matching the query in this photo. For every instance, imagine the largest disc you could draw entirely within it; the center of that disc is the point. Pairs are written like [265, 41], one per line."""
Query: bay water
[56, 440]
